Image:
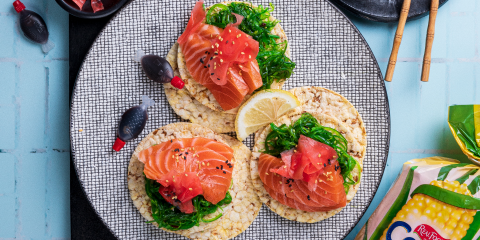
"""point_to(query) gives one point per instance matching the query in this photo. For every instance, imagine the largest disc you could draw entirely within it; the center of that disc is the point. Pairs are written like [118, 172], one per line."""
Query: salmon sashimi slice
[196, 16]
[329, 192]
[180, 189]
[251, 75]
[186, 145]
[213, 61]
[291, 203]
[213, 169]
[233, 46]
[231, 95]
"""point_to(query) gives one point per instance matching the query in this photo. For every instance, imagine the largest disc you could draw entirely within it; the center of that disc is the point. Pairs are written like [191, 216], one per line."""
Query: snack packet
[433, 198]
[464, 121]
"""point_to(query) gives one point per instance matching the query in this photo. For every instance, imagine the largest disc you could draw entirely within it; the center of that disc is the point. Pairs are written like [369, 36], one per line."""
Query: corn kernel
[452, 221]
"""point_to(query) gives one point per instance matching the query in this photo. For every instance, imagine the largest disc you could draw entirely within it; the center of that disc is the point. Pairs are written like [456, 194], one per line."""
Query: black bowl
[385, 11]
[110, 7]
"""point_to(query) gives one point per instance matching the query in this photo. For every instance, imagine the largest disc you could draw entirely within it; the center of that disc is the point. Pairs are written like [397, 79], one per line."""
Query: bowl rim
[88, 15]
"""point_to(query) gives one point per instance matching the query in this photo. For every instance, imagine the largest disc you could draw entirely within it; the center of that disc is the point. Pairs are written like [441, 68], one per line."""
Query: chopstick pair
[427, 58]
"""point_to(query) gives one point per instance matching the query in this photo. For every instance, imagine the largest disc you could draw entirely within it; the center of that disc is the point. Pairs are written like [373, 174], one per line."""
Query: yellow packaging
[433, 198]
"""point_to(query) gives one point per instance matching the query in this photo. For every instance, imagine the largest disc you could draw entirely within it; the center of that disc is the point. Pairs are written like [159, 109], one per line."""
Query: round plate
[385, 10]
[329, 52]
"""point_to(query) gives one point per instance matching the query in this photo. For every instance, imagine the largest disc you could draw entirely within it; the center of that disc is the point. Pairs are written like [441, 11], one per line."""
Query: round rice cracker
[187, 107]
[355, 149]
[244, 201]
[202, 94]
[322, 100]
[331, 103]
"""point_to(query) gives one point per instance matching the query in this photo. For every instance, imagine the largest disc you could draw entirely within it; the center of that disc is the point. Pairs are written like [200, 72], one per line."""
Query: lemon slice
[261, 109]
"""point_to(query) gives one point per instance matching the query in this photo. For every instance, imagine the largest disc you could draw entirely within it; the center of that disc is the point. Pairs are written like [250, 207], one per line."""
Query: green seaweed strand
[169, 217]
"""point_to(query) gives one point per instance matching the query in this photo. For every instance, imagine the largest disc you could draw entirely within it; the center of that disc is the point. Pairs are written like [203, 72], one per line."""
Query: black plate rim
[378, 18]
[387, 148]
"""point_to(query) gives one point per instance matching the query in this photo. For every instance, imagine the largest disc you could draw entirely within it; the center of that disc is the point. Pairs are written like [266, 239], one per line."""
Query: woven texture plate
[329, 52]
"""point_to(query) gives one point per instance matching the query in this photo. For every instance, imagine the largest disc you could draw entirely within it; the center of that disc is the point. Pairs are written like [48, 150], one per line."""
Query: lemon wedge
[261, 109]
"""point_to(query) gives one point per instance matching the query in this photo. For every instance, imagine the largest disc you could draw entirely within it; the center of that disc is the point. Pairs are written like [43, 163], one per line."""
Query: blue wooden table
[34, 110]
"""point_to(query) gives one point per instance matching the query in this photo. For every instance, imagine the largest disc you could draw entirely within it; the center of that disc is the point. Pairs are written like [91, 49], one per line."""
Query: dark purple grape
[33, 26]
[132, 123]
[157, 68]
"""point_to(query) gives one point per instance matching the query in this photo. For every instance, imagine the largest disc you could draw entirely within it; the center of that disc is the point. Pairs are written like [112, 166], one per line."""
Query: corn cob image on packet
[433, 198]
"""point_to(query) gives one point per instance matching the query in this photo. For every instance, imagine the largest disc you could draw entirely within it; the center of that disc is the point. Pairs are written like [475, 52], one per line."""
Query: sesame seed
[318, 163]
[212, 46]
[173, 156]
[319, 155]
[266, 173]
[214, 67]
[280, 182]
[190, 189]
[208, 164]
[284, 166]
[229, 30]
[220, 52]
[166, 180]
[233, 42]
[242, 53]
[203, 163]
[221, 60]
[216, 44]
[249, 56]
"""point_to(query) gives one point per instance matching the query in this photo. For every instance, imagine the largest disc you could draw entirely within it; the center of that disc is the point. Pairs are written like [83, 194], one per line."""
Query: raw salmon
[209, 164]
[187, 143]
[214, 61]
[329, 192]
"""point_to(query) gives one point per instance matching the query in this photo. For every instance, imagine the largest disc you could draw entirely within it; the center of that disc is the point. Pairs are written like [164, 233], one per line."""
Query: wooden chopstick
[397, 40]
[427, 58]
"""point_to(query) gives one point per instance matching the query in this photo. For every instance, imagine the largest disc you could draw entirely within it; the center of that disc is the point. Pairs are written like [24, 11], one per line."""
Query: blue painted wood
[34, 141]
[34, 120]
[419, 110]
